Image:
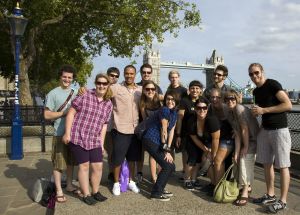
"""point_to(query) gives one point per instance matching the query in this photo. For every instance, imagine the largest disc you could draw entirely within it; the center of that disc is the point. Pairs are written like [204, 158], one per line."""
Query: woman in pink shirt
[86, 125]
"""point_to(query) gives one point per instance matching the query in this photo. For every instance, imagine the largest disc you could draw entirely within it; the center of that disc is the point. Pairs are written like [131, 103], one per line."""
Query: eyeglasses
[218, 74]
[146, 72]
[230, 98]
[99, 83]
[114, 76]
[251, 74]
[148, 89]
[201, 107]
[215, 97]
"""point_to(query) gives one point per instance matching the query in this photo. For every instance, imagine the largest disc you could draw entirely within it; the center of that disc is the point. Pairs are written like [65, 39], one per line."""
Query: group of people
[211, 128]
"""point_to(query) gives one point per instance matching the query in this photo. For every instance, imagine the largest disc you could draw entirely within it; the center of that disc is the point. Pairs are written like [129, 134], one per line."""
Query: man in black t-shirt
[273, 140]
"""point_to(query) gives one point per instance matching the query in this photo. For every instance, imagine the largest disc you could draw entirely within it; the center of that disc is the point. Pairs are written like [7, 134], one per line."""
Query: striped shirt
[88, 122]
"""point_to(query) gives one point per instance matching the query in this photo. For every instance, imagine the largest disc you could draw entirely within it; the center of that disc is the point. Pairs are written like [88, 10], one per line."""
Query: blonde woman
[246, 129]
[86, 125]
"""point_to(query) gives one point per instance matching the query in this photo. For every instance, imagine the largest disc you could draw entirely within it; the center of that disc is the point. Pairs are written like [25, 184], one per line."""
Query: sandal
[249, 191]
[238, 201]
[75, 192]
[62, 198]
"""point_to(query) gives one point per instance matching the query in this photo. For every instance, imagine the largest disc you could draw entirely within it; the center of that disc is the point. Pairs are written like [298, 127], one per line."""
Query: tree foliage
[63, 31]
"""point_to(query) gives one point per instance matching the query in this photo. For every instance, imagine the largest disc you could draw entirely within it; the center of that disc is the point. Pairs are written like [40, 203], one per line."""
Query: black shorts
[194, 152]
[125, 146]
[82, 155]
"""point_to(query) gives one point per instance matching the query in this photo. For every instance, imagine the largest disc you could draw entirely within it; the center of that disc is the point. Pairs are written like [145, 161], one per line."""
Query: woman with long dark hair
[157, 142]
[149, 105]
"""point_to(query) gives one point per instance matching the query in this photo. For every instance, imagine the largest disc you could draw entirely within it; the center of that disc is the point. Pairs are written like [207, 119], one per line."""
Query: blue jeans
[166, 168]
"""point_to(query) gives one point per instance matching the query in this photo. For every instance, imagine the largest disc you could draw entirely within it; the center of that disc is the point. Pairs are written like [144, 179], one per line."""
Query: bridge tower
[214, 60]
[153, 58]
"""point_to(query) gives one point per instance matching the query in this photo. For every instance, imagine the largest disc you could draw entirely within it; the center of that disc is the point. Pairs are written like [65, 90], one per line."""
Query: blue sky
[242, 31]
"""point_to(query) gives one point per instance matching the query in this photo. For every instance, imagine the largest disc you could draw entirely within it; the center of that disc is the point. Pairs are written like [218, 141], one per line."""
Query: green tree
[63, 31]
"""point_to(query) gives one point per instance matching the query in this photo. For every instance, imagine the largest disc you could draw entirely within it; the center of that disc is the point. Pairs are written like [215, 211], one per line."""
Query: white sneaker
[116, 189]
[132, 186]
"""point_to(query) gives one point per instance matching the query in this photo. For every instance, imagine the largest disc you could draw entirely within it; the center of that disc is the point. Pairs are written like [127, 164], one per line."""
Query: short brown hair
[222, 68]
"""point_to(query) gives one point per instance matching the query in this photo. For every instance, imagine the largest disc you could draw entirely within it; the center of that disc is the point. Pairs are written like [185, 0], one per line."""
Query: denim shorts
[227, 144]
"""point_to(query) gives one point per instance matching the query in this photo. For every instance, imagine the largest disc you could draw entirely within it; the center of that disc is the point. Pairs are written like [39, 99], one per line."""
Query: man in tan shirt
[125, 119]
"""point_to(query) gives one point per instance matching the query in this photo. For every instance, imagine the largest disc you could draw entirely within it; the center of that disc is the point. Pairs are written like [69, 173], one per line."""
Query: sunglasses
[251, 74]
[218, 74]
[99, 83]
[230, 98]
[201, 107]
[114, 76]
[146, 72]
[148, 89]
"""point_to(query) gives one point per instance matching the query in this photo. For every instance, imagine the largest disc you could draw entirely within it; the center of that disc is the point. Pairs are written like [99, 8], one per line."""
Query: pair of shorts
[82, 155]
[246, 169]
[274, 146]
[228, 144]
[61, 155]
[194, 152]
[125, 146]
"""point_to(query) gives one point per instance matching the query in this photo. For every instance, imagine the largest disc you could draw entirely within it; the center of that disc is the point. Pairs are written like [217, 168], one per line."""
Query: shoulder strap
[66, 102]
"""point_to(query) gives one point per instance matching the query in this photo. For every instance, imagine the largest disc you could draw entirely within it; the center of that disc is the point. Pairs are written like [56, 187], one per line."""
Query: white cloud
[275, 27]
[293, 7]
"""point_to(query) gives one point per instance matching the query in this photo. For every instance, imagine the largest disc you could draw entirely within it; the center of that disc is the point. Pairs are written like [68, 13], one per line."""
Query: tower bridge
[154, 59]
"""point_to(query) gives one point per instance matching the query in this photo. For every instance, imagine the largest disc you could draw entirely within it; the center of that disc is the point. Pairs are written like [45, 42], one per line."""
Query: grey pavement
[17, 178]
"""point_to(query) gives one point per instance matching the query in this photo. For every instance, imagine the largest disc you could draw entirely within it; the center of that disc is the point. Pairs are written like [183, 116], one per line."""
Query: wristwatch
[166, 148]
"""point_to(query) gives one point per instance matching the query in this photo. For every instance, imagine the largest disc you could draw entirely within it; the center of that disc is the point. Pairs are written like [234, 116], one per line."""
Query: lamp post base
[16, 140]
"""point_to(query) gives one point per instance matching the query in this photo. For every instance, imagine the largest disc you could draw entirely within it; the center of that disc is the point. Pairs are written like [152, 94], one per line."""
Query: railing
[33, 116]
[34, 123]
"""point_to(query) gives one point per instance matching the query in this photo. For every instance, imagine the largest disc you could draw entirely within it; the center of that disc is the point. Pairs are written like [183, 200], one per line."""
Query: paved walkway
[18, 176]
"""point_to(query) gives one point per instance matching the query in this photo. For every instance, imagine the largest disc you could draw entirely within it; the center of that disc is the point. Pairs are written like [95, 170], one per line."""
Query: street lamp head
[17, 21]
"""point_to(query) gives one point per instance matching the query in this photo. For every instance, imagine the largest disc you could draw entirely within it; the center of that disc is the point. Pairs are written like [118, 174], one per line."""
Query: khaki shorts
[61, 155]
[274, 146]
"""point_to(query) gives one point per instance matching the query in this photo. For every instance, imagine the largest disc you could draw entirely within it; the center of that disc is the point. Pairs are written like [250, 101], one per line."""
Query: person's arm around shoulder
[81, 91]
[69, 121]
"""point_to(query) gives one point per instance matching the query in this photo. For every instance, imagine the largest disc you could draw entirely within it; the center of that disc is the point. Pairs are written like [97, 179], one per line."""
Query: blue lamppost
[17, 24]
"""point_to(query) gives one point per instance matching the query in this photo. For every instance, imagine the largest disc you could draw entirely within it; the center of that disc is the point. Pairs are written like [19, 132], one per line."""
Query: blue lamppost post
[18, 24]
